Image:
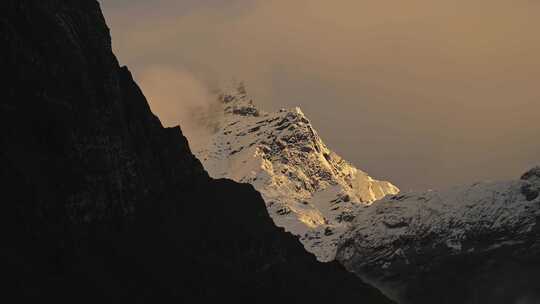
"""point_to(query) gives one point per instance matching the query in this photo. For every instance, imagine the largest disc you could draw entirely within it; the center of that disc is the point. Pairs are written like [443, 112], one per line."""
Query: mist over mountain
[444, 88]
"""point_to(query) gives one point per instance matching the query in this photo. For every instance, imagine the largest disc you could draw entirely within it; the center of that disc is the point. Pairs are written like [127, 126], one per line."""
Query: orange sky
[425, 93]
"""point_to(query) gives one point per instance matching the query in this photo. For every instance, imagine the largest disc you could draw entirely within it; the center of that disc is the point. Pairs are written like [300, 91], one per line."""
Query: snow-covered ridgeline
[414, 239]
[309, 190]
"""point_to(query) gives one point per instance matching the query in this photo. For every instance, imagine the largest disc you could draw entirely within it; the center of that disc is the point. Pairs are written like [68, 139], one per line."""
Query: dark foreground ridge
[102, 203]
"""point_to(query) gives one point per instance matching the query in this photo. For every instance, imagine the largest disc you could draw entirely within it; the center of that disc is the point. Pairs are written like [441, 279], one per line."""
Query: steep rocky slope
[472, 244]
[308, 189]
[101, 203]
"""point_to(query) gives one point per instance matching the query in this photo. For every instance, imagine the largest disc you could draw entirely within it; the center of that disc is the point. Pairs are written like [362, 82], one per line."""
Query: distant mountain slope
[102, 204]
[309, 190]
[469, 244]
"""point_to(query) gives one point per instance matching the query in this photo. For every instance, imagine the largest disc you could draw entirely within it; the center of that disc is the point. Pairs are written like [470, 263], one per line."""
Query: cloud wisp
[423, 93]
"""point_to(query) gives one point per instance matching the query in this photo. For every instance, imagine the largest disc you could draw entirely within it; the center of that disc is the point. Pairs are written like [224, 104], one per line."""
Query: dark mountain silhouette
[101, 203]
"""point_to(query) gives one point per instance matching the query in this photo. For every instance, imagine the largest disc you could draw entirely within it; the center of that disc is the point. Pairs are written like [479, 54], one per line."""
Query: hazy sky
[424, 93]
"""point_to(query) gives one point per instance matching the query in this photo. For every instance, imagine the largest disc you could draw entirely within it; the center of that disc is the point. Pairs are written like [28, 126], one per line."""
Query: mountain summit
[308, 189]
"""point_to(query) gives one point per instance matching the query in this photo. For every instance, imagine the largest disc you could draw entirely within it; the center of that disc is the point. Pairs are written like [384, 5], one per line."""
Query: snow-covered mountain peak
[309, 190]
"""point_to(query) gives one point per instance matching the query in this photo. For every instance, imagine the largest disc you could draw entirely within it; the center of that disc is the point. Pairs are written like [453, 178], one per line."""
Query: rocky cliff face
[102, 203]
[308, 189]
[472, 244]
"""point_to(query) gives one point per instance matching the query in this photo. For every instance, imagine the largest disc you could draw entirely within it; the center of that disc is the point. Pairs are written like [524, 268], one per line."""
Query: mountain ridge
[468, 244]
[308, 189]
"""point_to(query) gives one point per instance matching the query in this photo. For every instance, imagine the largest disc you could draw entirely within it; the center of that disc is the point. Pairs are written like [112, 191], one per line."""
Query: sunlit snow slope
[308, 189]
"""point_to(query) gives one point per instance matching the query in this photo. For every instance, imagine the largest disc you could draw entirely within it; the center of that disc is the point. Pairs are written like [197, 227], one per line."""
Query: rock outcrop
[101, 203]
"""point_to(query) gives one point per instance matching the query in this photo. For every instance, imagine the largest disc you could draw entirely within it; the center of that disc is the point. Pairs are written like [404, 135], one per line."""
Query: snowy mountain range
[480, 241]
[449, 246]
[308, 189]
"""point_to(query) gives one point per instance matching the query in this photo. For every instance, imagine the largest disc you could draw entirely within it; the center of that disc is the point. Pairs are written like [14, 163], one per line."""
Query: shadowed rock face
[102, 203]
[472, 244]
